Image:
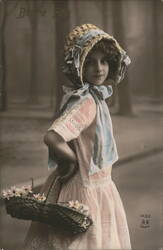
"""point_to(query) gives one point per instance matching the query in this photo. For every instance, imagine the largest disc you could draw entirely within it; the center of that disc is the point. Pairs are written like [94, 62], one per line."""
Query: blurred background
[32, 35]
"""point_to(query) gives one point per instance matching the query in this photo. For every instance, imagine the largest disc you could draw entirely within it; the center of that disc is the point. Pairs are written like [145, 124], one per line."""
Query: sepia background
[31, 50]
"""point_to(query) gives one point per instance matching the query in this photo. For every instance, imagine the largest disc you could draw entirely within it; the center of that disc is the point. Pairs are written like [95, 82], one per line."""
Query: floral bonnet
[79, 43]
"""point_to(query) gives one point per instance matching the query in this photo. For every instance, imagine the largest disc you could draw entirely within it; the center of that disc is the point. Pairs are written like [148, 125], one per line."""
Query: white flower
[17, 192]
[22, 192]
[78, 206]
[13, 188]
[4, 193]
[7, 194]
[39, 197]
[28, 189]
[71, 204]
[85, 224]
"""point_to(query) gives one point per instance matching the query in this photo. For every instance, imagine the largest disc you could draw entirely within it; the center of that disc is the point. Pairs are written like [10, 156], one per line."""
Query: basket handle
[52, 187]
[32, 183]
[55, 189]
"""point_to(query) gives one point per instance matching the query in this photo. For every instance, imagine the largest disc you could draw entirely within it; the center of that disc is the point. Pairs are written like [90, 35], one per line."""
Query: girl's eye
[89, 62]
[104, 61]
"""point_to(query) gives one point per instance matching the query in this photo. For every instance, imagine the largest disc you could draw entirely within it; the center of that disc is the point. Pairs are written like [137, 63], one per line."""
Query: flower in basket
[22, 203]
[17, 192]
[22, 192]
[80, 207]
[39, 197]
[85, 223]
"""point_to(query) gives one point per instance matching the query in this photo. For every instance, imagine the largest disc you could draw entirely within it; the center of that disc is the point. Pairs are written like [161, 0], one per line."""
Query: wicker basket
[57, 215]
[43, 207]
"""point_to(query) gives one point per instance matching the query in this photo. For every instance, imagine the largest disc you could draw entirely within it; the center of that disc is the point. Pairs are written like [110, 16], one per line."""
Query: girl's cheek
[90, 68]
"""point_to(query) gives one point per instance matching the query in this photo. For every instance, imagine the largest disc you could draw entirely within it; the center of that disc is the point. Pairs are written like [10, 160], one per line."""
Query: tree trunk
[61, 30]
[110, 101]
[3, 96]
[33, 87]
[124, 95]
[104, 14]
[156, 52]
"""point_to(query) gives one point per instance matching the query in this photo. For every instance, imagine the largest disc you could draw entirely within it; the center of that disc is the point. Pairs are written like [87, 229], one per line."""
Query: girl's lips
[98, 76]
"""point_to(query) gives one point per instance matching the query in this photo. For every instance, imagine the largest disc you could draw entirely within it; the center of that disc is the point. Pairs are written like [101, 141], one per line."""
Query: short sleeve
[76, 118]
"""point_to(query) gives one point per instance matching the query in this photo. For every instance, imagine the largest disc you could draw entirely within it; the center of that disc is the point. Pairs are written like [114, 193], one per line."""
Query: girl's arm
[64, 155]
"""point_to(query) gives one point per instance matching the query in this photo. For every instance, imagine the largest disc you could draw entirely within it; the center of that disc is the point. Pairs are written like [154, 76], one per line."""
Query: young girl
[82, 145]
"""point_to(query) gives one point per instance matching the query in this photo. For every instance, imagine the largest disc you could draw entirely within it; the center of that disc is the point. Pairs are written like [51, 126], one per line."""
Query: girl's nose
[98, 66]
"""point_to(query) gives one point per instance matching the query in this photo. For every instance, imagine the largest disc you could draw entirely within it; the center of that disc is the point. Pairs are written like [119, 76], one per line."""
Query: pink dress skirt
[109, 229]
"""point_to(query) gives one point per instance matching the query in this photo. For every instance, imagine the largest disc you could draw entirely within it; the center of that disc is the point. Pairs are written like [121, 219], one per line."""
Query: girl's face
[96, 68]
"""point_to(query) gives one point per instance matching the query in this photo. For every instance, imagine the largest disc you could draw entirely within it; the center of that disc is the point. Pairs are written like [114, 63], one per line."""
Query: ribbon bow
[101, 92]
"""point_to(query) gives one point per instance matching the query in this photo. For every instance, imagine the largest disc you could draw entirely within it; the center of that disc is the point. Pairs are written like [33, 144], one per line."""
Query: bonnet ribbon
[101, 92]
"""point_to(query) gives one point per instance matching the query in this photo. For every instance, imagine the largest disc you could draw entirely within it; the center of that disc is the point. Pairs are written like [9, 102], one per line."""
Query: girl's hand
[67, 170]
